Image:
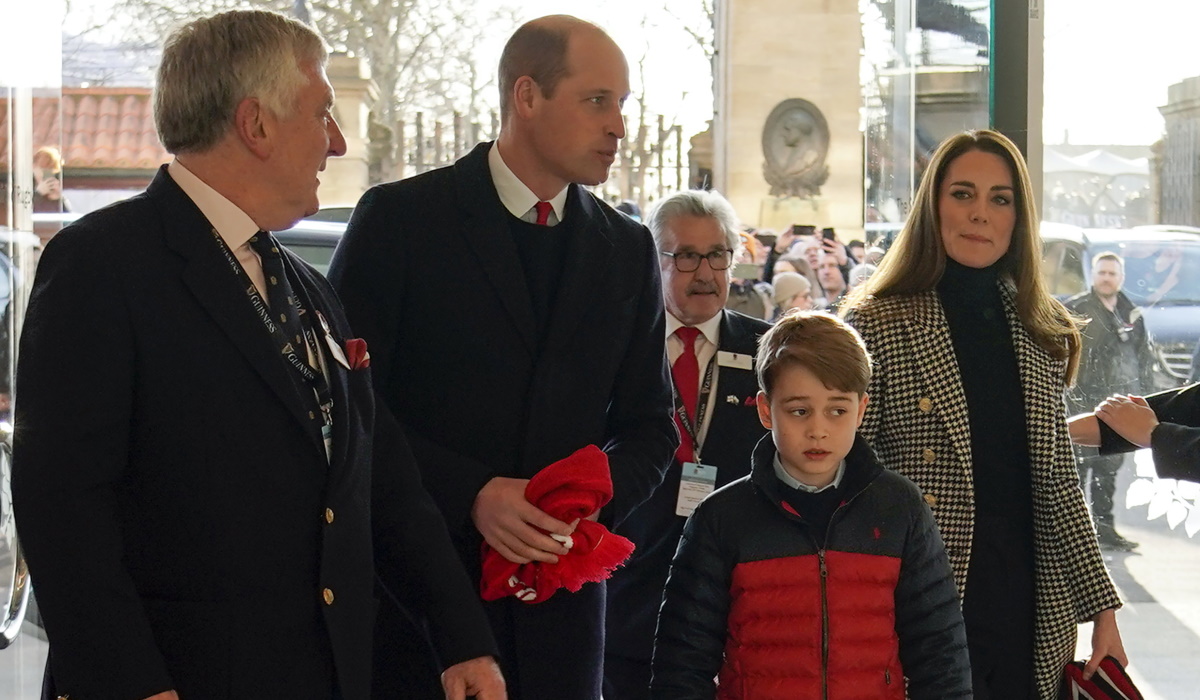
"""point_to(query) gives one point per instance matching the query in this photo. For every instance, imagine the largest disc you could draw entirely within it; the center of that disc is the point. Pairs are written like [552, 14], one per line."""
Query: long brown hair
[917, 259]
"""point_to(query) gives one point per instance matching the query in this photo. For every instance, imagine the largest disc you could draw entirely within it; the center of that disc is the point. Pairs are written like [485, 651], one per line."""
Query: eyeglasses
[690, 262]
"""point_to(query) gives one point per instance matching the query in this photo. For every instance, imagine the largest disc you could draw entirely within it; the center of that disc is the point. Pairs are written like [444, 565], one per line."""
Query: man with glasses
[548, 338]
[711, 350]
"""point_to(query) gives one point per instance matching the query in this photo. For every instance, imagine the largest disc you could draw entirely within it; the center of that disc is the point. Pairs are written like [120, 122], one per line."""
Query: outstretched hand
[1130, 416]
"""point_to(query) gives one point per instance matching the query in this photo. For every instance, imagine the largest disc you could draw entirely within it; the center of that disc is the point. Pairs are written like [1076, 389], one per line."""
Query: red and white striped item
[1109, 682]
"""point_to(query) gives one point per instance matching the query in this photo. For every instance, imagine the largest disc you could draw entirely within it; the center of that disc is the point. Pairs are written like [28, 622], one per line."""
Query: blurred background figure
[1116, 359]
[858, 274]
[832, 280]
[748, 293]
[792, 291]
[629, 208]
[48, 195]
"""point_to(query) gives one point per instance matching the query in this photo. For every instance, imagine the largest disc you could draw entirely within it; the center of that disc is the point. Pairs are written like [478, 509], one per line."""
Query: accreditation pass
[696, 482]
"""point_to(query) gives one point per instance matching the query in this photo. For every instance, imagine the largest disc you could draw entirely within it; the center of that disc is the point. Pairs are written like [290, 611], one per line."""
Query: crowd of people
[260, 483]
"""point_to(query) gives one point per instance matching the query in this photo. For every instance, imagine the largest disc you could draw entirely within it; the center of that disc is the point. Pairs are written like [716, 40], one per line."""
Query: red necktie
[543, 213]
[686, 372]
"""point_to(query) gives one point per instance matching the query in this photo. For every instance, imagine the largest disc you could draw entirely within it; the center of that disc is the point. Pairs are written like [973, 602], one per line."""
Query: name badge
[696, 482]
[735, 360]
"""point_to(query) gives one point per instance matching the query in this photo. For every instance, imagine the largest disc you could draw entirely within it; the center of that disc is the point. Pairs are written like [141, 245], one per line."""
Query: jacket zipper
[824, 627]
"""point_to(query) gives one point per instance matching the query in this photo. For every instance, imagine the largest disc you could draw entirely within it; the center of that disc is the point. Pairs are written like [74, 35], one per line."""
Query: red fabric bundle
[570, 489]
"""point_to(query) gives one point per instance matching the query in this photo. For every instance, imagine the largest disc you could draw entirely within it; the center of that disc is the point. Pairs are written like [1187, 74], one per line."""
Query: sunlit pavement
[1160, 623]
[1160, 584]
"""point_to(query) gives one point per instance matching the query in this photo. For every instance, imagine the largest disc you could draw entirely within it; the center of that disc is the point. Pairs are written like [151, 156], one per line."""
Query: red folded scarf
[570, 489]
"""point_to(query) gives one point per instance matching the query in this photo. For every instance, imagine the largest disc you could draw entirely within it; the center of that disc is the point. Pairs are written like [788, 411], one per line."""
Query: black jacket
[1175, 443]
[180, 521]
[458, 360]
[635, 590]
[1101, 347]
[737, 529]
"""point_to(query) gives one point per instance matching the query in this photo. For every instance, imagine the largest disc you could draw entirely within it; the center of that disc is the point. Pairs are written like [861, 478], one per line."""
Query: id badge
[696, 482]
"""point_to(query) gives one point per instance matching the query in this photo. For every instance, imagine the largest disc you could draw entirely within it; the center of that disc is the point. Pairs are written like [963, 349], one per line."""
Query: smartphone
[828, 234]
[803, 230]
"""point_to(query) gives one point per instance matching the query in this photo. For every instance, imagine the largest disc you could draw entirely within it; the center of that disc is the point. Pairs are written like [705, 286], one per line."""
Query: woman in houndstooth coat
[972, 355]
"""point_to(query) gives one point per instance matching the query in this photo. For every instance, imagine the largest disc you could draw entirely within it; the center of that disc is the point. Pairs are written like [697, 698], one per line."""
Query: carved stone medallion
[795, 143]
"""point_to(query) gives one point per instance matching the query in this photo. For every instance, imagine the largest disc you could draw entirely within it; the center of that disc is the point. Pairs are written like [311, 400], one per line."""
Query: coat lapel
[484, 227]
[207, 274]
[585, 267]
[1042, 377]
[338, 376]
[934, 351]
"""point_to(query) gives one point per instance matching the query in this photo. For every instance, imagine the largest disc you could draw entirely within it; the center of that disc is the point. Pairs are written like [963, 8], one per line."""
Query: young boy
[821, 574]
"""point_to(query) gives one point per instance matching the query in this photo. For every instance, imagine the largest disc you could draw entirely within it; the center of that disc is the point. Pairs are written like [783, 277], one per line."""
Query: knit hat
[788, 285]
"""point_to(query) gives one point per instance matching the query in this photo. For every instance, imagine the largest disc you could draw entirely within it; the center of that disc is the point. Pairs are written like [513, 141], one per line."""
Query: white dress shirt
[234, 226]
[706, 347]
[516, 197]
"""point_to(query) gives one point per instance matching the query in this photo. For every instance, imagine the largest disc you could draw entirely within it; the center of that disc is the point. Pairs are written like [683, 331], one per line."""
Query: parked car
[314, 241]
[338, 213]
[1162, 277]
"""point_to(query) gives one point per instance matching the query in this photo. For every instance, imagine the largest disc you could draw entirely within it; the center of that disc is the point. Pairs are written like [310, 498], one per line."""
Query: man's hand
[1084, 429]
[508, 523]
[169, 695]
[1106, 641]
[1130, 416]
[785, 240]
[837, 250]
[480, 678]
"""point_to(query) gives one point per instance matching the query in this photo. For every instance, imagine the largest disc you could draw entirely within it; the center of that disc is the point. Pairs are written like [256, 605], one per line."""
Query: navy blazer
[635, 591]
[182, 526]
[431, 277]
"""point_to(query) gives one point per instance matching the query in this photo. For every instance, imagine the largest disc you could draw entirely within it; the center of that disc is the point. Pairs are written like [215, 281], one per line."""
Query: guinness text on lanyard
[312, 376]
[693, 430]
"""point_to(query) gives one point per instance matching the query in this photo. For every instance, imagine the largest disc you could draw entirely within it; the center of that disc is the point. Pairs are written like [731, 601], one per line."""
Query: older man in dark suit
[208, 494]
[548, 337]
[711, 350]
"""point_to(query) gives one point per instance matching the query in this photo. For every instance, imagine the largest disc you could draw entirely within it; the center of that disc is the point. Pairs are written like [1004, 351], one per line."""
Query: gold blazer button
[931, 499]
[928, 455]
[327, 594]
[329, 515]
[925, 405]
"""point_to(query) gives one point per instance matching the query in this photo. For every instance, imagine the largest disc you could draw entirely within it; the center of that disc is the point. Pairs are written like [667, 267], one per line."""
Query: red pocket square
[356, 353]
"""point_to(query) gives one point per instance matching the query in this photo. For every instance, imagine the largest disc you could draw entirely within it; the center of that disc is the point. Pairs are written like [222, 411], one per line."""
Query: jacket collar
[862, 468]
[207, 275]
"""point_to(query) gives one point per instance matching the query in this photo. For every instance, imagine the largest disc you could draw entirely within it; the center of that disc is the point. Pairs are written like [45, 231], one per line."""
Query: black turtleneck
[983, 346]
[998, 605]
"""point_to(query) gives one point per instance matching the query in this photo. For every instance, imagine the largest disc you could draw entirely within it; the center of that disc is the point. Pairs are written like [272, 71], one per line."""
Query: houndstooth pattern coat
[917, 422]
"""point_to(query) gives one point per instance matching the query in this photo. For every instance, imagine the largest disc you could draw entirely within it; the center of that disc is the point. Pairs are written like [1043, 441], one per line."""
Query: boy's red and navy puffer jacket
[757, 600]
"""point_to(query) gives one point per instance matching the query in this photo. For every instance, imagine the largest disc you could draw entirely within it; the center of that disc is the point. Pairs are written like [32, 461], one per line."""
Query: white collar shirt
[516, 196]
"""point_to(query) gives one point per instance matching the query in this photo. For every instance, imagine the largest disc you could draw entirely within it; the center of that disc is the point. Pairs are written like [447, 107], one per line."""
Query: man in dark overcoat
[548, 337]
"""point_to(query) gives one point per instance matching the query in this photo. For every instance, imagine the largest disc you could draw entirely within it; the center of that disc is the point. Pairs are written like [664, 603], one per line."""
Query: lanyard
[701, 406]
[312, 376]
